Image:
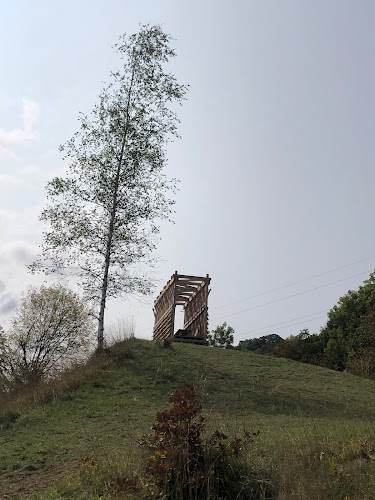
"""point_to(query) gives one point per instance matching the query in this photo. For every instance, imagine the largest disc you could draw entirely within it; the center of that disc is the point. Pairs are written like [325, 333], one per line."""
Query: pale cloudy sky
[276, 197]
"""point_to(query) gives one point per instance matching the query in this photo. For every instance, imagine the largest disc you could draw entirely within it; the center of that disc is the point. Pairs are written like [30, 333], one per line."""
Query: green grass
[312, 423]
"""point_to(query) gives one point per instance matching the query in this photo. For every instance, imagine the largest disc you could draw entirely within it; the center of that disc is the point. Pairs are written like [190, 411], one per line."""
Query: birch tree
[103, 215]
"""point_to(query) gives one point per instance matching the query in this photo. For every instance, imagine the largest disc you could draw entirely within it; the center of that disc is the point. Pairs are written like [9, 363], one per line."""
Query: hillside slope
[312, 421]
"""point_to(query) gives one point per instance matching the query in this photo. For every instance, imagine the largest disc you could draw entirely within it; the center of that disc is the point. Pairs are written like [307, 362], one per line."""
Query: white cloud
[22, 175]
[30, 170]
[9, 179]
[15, 136]
[14, 256]
[21, 225]
[30, 114]
[20, 135]
[20, 235]
[17, 252]
[6, 152]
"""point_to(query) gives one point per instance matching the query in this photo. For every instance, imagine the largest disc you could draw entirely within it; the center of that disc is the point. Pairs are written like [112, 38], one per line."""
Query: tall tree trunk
[107, 260]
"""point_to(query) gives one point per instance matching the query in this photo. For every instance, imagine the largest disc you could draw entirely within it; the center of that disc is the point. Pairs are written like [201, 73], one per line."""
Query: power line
[292, 284]
[282, 323]
[291, 296]
[295, 324]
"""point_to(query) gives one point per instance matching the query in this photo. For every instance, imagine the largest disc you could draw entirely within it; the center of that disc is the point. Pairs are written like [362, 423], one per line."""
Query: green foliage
[102, 216]
[261, 345]
[222, 336]
[302, 347]
[51, 330]
[350, 328]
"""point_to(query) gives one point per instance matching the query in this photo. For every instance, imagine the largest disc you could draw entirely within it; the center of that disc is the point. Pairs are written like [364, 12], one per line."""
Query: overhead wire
[283, 323]
[290, 326]
[299, 323]
[293, 283]
[291, 296]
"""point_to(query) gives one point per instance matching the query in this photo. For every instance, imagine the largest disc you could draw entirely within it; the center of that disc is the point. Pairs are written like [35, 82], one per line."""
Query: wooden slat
[168, 311]
[185, 290]
[188, 291]
[185, 295]
[193, 278]
[182, 286]
[170, 282]
[193, 318]
[165, 328]
[198, 290]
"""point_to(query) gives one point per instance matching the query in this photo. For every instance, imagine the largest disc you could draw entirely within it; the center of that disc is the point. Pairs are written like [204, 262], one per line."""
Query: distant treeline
[347, 342]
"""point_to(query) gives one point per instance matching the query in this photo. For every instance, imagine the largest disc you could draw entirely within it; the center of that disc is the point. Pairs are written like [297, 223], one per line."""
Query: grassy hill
[316, 425]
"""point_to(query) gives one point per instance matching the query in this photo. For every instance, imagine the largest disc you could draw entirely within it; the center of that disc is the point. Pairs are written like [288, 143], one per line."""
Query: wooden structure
[191, 292]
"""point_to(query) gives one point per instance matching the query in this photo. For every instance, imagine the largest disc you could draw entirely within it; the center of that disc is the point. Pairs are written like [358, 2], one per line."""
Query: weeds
[168, 344]
[185, 466]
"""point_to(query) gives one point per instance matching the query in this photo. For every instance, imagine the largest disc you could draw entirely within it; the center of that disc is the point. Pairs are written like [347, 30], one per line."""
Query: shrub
[185, 466]
[362, 363]
[50, 331]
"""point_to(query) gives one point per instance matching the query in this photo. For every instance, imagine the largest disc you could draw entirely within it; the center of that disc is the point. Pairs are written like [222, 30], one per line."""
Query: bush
[50, 331]
[185, 466]
[362, 363]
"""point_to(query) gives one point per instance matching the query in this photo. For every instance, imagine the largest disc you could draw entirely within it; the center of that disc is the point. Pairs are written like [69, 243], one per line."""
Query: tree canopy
[350, 328]
[51, 329]
[222, 336]
[260, 345]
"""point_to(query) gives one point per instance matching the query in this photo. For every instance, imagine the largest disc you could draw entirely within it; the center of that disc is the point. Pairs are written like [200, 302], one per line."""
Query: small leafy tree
[102, 215]
[50, 330]
[222, 336]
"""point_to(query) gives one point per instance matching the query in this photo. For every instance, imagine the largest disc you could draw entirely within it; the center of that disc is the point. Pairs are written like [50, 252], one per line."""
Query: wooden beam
[193, 278]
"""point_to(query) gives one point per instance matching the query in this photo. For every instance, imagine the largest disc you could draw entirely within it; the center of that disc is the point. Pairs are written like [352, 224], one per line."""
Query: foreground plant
[185, 465]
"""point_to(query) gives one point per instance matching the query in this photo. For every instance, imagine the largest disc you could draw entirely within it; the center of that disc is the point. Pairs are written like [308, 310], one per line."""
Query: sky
[276, 193]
